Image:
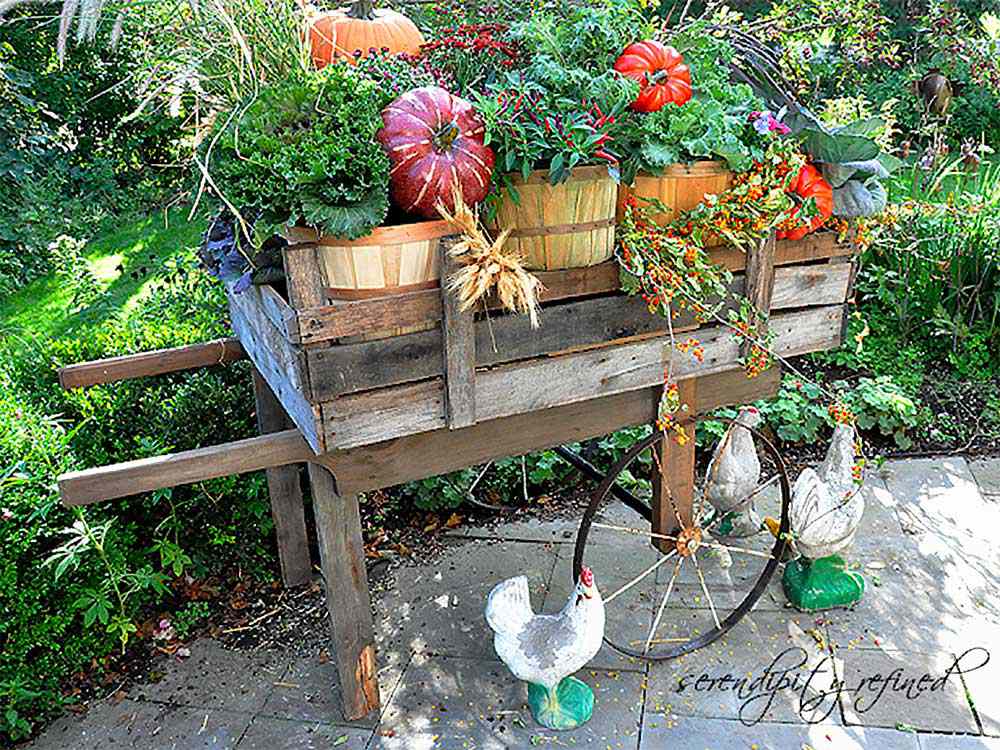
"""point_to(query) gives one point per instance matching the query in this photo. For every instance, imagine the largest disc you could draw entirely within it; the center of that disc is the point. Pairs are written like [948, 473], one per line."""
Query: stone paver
[309, 690]
[212, 677]
[957, 742]
[146, 726]
[723, 734]
[281, 734]
[439, 607]
[987, 473]
[895, 688]
[477, 703]
[927, 547]
[767, 668]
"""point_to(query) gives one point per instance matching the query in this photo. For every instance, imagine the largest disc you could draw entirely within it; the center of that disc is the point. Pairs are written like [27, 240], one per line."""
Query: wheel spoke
[639, 577]
[701, 579]
[663, 606]
[627, 530]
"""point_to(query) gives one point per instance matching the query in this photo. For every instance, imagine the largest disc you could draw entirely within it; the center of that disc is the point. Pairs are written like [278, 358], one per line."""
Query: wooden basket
[569, 225]
[681, 187]
[391, 260]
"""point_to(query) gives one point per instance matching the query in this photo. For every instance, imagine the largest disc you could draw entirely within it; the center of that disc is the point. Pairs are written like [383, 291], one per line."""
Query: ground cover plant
[94, 263]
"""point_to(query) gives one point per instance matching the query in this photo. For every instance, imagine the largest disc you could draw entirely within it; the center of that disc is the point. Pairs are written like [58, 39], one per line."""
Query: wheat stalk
[487, 264]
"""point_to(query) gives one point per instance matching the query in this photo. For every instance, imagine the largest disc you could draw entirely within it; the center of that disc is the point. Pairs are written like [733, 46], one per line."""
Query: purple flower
[765, 122]
[243, 283]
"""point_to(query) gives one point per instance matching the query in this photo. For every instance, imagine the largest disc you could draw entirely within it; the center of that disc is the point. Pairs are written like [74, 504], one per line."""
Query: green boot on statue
[812, 585]
[568, 705]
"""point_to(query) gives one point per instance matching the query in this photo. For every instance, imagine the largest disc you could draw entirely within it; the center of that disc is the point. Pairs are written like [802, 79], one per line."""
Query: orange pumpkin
[809, 184]
[361, 28]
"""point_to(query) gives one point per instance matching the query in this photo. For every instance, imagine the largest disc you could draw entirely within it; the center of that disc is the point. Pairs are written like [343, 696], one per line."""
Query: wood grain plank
[284, 491]
[303, 276]
[348, 600]
[420, 456]
[605, 321]
[185, 467]
[458, 344]
[673, 473]
[412, 457]
[279, 364]
[759, 287]
[146, 364]
[324, 323]
[549, 382]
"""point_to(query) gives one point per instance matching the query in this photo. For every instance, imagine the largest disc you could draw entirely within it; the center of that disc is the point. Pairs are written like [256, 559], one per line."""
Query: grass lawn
[124, 261]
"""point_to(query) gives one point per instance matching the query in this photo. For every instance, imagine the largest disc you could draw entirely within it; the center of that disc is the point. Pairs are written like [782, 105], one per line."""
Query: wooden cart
[338, 388]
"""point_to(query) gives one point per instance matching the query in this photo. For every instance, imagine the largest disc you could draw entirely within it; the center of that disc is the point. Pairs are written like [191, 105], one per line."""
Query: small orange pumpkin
[360, 27]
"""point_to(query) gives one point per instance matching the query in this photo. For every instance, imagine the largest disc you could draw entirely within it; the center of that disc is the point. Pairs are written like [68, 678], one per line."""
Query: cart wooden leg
[338, 525]
[285, 490]
[674, 474]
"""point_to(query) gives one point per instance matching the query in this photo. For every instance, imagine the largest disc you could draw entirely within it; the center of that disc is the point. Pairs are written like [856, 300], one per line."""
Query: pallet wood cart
[365, 408]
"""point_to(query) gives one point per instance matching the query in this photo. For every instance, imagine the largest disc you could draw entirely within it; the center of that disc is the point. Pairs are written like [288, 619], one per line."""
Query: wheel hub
[688, 540]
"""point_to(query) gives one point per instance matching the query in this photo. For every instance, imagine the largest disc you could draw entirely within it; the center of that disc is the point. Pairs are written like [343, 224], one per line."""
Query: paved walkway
[930, 546]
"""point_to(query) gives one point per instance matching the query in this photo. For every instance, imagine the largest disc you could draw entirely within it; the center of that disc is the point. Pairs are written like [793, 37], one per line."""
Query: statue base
[826, 583]
[568, 705]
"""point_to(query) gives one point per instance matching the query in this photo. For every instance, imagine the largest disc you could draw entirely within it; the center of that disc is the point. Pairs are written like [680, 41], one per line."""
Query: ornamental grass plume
[488, 264]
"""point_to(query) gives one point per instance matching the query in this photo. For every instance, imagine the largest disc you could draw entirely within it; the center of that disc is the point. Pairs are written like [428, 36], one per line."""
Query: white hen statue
[827, 506]
[544, 650]
[733, 474]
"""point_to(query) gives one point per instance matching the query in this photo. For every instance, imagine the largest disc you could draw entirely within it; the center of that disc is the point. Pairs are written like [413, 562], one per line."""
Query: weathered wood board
[337, 370]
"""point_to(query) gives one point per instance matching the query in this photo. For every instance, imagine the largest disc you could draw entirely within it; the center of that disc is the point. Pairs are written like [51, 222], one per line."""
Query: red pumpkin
[434, 139]
[809, 184]
[660, 72]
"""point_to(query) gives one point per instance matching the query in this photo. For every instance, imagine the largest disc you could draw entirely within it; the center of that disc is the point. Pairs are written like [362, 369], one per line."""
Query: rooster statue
[733, 474]
[543, 650]
[827, 506]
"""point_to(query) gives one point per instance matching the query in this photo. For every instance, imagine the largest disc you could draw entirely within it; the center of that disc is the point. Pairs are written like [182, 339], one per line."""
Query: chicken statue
[543, 650]
[733, 474]
[827, 506]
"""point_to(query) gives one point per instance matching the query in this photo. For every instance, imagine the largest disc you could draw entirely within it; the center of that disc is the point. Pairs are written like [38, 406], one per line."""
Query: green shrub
[55, 625]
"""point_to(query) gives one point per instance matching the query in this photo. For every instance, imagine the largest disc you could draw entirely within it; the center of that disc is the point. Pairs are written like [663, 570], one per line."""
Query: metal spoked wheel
[674, 590]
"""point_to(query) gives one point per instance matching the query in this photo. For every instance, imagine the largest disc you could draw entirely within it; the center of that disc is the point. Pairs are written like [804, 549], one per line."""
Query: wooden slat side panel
[146, 364]
[279, 364]
[186, 467]
[323, 323]
[806, 286]
[351, 368]
[458, 342]
[304, 276]
[420, 456]
[556, 381]
[279, 312]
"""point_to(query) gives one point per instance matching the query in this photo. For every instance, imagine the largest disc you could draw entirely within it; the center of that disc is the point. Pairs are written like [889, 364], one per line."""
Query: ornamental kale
[305, 151]
[712, 125]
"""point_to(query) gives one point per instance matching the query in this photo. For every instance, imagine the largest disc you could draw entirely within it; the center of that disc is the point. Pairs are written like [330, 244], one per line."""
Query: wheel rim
[674, 559]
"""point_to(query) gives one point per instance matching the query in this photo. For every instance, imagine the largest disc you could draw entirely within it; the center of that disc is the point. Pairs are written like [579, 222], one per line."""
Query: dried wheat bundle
[487, 265]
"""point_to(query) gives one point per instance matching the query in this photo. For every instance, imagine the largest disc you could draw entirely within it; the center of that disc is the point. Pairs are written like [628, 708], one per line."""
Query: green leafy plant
[564, 108]
[107, 603]
[713, 124]
[190, 617]
[305, 151]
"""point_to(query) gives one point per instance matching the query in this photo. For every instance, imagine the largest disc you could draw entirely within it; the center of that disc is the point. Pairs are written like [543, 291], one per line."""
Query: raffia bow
[488, 265]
